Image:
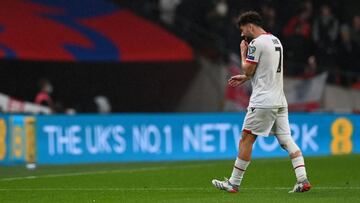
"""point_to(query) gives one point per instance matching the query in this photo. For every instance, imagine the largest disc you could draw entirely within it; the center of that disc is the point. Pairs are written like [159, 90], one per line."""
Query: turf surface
[334, 179]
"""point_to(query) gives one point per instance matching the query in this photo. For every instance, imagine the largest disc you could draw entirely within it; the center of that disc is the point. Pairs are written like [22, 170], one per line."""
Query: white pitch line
[165, 189]
[144, 169]
[83, 173]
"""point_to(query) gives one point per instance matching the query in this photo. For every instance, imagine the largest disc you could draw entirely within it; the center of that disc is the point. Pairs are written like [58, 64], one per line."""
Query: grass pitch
[334, 179]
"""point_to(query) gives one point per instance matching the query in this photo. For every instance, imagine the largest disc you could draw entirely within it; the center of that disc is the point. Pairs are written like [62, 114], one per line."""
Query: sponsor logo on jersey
[252, 50]
[251, 53]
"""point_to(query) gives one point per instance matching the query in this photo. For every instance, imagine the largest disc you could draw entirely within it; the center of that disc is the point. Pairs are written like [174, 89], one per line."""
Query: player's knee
[290, 146]
[293, 149]
[295, 154]
[247, 139]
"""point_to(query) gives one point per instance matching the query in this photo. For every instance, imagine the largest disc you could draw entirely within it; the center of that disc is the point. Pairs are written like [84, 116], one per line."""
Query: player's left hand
[237, 80]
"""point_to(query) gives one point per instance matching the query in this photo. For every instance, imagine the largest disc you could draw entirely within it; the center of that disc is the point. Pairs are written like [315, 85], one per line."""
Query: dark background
[130, 87]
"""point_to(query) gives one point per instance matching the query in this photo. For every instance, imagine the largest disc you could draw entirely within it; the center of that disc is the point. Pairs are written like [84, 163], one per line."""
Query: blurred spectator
[270, 22]
[310, 41]
[193, 12]
[348, 53]
[217, 24]
[167, 10]
[70, 111]
[58, 107]
[217, 17]
[43, 96]
[325, 33]
[98, 104]
[297, 41]
[355, 31]
[102, 104]
[311, 69]
[221, 8]
[356, 84]
[300, 23]
[298, 45]
[232, 36]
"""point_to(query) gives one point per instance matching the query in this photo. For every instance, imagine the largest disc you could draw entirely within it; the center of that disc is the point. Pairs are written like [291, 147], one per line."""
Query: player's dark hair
[250, 17]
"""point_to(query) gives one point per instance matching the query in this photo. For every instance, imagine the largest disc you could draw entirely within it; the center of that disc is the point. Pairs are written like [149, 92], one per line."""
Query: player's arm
[248, 65]
[249, 58]
[249, 69]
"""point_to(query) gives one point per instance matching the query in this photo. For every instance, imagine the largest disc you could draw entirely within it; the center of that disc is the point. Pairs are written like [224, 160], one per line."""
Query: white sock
[238, 171]
[299, 167]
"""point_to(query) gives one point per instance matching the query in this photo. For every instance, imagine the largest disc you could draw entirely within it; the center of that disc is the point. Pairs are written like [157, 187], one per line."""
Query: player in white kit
[262, 62]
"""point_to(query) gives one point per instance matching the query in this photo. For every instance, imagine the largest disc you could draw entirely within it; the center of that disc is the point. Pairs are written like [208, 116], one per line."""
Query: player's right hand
[243, 49]
[237, 80]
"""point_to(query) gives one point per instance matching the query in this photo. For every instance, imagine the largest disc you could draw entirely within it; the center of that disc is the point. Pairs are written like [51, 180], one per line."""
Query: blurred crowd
[317, 35]
[98, 104]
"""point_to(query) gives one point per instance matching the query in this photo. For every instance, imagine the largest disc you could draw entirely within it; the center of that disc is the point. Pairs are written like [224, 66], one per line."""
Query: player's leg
[244, 156]
[257, 122]
[242, 161]
[283, 135]
[297, 160]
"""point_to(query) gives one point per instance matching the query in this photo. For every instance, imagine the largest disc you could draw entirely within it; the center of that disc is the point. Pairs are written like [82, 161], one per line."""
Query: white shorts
[262, 122]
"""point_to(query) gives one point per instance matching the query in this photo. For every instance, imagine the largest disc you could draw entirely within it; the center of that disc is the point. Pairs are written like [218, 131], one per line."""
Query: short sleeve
[254, 51]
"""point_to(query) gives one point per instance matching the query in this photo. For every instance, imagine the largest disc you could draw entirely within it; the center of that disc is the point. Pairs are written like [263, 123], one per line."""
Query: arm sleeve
[254, 52]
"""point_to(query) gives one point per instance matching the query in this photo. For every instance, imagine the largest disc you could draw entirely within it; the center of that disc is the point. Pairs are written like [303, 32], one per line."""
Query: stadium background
[160, 68]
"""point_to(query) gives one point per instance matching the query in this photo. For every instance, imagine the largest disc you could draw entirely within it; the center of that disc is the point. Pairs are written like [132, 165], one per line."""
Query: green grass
[334, 179]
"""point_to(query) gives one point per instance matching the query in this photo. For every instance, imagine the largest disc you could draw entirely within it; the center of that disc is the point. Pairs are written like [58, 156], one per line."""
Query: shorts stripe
[247, 131]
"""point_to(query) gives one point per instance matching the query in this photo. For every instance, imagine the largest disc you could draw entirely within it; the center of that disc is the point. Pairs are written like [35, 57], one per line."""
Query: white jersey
[267, 82]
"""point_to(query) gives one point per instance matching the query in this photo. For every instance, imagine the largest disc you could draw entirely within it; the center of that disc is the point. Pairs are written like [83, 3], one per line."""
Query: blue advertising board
[170, 137]
[158, 137]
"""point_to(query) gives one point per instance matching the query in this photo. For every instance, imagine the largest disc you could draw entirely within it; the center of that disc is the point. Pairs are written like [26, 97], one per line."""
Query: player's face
[246, 31]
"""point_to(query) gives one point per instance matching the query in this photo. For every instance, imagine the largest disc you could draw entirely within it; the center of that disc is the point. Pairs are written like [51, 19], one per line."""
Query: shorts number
[280, 59]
